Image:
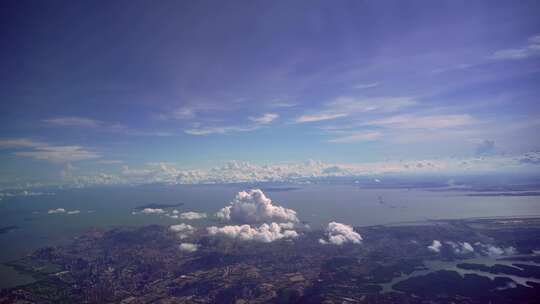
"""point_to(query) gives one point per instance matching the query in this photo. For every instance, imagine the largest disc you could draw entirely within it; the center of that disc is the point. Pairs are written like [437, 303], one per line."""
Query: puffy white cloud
[152, 211]
[435, 246]
[245, 172]
[495, 251]
[188, 247]
[192, 215]
[461, 248]
[74, 212]
[182, 230]
[57, 210]
[265, 233]
[339, 234]
[254, 207]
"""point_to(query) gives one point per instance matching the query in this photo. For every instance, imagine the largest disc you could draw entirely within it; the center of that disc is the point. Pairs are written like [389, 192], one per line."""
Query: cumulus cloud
[339, 234]
[182, 230]
[245, 172]
[192, 215]
[152, 211]
[57, 210]
[461, 248]
[74, 212]
[188, 247]
[254, 207]
[265, 233]
[494, 251]
[435, 246]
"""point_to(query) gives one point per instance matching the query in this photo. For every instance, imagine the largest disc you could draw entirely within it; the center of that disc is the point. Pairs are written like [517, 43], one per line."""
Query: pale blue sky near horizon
[104, 84]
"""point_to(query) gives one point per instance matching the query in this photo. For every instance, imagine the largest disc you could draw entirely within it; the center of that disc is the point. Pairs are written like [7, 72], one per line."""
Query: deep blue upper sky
[97, 85]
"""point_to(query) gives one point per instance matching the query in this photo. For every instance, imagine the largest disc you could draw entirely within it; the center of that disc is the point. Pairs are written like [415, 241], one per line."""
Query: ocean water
[108, 207]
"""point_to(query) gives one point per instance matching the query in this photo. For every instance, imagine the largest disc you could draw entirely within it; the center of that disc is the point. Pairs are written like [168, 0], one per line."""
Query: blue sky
[100, 87]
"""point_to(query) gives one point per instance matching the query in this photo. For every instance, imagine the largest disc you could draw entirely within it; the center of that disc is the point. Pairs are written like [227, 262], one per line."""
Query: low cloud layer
[495, 251]
[339, 234]
[461, 248]
[254, 207]
[182, 230]
[435, 246]
[152, 211]
[192, 215]
[63, 211]
[265, 233]
[188, 247]
[465, 248]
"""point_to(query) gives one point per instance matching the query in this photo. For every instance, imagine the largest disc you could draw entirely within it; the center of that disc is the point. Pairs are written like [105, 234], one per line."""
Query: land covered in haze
[182, 264]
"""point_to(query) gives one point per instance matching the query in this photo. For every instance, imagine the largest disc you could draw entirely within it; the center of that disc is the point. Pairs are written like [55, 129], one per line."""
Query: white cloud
[424, 122]
[57, 210]
[363, 86]
[254, 207]
[188, 247]
[245, 172]
[461, 248]
[219, 130]
[265, 233]
[356, 137]
[74, 121]
[60, 154]
[348, 106]
[532, 48]
[265, 118]
[74, 212]
[44, 151]
[192, 215]
[182, 230]
[495, 251]
[20, 143]
[339, 234]
[435, 246]
[319, 117]
[152, 211]
[83, 122]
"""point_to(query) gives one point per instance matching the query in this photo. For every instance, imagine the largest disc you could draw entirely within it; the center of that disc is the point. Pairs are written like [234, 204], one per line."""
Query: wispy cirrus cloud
[319, 117]
[45, 151]
[75, 121]
[348, 106]
[256, 123]
[356, 137]
[363, 86]
[532, 48]
[266, 118]
[20, 143]
[89, 123]
[424, 122]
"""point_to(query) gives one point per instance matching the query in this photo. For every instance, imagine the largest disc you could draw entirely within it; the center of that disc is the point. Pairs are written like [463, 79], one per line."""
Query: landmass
[146, 265]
